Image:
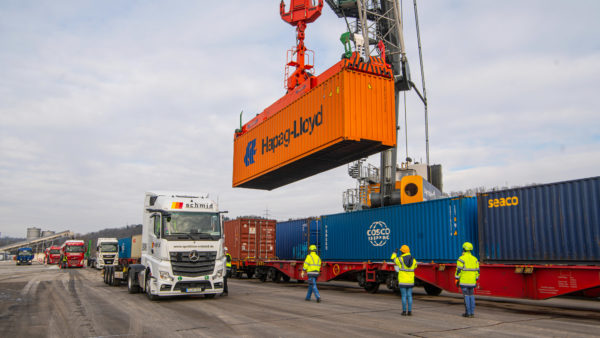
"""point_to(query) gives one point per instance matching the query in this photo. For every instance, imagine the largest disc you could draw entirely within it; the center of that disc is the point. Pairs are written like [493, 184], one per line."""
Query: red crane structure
[301, 12]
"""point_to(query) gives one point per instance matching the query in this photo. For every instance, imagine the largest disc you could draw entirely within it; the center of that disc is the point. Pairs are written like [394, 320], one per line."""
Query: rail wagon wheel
[432, 290]
[250, 274]
[276, 278]
[371, 287]
[286, 278]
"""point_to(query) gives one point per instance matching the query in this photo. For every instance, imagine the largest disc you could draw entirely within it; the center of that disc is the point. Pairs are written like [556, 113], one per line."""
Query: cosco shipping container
[349, 116]
[293, 238]
[434, 231]
[548, 223]
[250, 238]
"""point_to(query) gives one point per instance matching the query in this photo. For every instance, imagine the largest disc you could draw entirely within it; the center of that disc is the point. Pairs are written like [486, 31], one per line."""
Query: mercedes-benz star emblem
[194, 256]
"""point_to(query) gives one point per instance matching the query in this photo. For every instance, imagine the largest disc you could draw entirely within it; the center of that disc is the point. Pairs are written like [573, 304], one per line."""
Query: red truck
[52, 255]
[74, 251]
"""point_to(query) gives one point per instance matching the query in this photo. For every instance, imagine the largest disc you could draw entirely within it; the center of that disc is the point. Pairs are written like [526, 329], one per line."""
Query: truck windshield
[24, 253]
[55, 251]
[74, 248]
[108, 247]
[193, 225]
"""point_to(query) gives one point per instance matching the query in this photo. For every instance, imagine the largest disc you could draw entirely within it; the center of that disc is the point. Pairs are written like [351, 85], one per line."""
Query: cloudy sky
[101, 101]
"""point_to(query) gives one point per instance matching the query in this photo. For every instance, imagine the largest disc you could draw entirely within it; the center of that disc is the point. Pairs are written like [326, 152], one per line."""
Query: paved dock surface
[43, 301]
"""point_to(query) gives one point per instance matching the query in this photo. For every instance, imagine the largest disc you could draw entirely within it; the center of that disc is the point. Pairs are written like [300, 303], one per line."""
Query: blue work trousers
[469, 293]
[312, 287]
[406, 293]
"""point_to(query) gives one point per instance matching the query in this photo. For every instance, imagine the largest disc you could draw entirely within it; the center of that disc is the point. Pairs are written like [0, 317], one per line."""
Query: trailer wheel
[131, 286]
[432, 290]
[149, 291]
[371, 287]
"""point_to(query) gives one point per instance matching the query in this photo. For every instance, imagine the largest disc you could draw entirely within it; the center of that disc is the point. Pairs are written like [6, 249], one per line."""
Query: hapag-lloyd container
[548, 223]
[434, 230]
[349, 116]
[250, 238]
[293, 240]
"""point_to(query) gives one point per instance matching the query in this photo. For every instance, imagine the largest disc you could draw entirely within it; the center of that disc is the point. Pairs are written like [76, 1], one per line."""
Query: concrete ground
[43, 301]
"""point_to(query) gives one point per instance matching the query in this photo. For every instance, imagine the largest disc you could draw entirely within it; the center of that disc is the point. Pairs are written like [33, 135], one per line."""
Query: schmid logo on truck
[378, 233]
[300, 127]
[503, 202]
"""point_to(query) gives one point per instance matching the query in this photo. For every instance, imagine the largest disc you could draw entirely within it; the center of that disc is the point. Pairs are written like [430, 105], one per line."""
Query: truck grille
[184, 266]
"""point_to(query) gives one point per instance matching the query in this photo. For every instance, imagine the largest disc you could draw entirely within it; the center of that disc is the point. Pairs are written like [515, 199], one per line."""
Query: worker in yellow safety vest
[312, 266]
[64, 262]
[228, 272]
[467, 275]
[406, 277]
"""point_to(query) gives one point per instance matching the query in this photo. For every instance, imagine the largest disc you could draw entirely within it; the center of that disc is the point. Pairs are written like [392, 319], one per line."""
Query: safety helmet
[225, 248]
[467, 246]
[404, 249]
[312, 247]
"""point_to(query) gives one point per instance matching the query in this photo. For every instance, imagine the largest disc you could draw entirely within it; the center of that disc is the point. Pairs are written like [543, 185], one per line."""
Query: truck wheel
[148, 291]
[131, 286]
[371, 287]
[432, 290]
[105, 275]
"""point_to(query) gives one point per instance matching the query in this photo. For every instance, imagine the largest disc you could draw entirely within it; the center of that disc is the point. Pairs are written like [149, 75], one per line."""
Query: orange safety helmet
[404, 249]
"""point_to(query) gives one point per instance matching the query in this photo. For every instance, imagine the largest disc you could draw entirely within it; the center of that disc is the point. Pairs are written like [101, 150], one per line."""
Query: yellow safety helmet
[312, 247]
[468, 246]
[404, 249]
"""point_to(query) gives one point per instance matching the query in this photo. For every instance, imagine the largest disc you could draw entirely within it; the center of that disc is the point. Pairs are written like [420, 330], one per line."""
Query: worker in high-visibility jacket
[63, 263]
[467, 275]
[312, 266]
[406, 277]
[227, 272]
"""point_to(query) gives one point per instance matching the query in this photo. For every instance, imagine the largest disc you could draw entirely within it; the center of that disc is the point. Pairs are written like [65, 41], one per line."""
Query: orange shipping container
[250, 238]
[349, 116]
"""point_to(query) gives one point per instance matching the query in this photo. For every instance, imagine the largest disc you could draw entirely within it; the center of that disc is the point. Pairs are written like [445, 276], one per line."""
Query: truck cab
[107, 252]
[24, 256]
[182, 246]
[52, 255]
[73, 251]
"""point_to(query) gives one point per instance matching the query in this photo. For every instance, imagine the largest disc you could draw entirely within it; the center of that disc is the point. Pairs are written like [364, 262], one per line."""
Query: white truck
[107, 253]
[182, 247]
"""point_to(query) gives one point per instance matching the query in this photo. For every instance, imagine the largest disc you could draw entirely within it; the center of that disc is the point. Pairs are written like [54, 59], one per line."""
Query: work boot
[318, 300]
[404, 313]
[409, 313]
[471, 315]
[465, 315]
[307, 299]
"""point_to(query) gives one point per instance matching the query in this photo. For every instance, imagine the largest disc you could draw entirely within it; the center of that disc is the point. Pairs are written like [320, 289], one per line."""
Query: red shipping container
[250, 238]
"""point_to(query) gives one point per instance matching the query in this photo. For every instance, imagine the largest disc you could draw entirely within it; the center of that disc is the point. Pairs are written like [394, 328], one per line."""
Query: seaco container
[250, 238]
[434, 230]
[347, 117]
[292, 238]
[548, 223]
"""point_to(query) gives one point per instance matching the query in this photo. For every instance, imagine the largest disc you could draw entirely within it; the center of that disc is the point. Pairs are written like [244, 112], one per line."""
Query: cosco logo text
[503, 202]
[378, 233]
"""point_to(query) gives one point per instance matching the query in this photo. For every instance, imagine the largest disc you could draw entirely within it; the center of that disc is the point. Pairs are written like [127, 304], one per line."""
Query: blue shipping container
[434, 231]
[125, 247]
[292, 238]
[549, 223]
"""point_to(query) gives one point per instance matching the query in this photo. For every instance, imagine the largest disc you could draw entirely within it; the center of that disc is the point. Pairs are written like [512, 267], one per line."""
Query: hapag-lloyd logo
[302, 126]
[378, 233]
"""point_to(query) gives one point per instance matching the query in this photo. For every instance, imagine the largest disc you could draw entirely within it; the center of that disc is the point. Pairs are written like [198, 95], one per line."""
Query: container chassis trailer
[529, 281]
